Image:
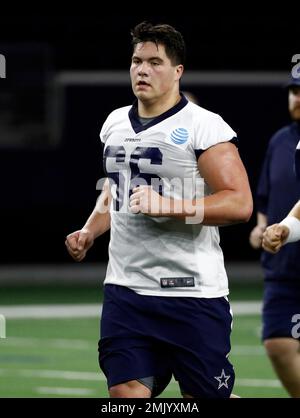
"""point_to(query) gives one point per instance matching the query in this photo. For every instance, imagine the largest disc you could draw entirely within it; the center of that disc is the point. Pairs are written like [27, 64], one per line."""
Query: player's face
[152, 73]
[294, 102]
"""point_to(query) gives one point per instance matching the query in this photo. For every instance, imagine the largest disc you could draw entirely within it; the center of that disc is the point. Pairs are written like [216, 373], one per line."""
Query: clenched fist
[147, 201]
[78, 243]
[274, 237]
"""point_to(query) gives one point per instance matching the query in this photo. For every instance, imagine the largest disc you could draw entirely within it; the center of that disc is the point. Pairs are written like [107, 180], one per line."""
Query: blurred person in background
[285, 232]
[278, 191]
[165, 309]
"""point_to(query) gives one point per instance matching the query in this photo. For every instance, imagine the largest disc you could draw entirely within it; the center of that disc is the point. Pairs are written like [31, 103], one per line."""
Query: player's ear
[179, 71]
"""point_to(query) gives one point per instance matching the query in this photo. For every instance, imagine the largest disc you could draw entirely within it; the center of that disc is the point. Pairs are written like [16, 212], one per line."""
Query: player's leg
[131, 389]
[133, 371]
[128, 356]
[147, 387]
[281, 303]
[284, 354]
[200, 349]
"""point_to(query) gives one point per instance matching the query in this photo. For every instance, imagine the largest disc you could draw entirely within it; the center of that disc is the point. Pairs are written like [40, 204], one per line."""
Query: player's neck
[156, 108]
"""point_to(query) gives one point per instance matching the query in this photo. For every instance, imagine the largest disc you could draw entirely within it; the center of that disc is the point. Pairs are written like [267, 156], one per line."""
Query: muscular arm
[225, 174]
[230, 201]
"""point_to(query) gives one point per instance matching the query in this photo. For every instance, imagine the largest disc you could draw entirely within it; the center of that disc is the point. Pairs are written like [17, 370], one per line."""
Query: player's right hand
[274, 237]
[78, 243]
[256, 237]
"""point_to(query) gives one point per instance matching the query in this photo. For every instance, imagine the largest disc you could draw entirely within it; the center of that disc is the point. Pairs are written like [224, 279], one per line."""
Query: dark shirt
[278, 191]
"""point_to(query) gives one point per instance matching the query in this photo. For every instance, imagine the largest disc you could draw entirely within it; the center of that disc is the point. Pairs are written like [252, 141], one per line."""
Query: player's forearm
[227, 207]
[222, 208]
[98, 223]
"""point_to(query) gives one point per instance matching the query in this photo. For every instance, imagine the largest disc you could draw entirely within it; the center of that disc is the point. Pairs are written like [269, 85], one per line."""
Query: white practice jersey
[162, 256]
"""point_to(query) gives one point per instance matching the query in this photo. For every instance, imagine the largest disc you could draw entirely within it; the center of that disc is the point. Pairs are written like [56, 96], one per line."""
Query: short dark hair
[161, 34]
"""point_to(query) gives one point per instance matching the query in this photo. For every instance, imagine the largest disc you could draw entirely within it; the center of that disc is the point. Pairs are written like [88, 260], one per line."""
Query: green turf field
[58, 357]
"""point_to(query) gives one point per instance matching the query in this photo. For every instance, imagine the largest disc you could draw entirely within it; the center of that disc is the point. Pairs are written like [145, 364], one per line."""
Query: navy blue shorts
[281, 303]
[157, 337]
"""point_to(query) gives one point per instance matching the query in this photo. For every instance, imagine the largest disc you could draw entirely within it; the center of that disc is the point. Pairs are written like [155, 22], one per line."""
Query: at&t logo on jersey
[179, 136]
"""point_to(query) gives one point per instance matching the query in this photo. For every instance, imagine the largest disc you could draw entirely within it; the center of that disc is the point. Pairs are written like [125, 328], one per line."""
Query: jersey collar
[137, 126]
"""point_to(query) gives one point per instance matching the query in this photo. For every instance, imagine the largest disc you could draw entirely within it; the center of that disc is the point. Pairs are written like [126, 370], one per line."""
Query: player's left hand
[147, 201]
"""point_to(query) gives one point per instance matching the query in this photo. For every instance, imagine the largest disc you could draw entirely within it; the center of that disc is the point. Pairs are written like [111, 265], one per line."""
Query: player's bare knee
[281, 350]
[131, 389]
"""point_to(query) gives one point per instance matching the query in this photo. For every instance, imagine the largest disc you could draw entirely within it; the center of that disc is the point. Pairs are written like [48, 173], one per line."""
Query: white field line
[66, 375]
[45, 390]
[54, 374]
[51, 311]
[49, 342]
[258, 383]
[248, 350]
[246, 307]
[94, 310]
[93, 376]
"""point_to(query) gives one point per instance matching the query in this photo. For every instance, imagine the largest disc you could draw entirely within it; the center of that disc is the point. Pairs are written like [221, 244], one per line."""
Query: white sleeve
[107, 125]
[213, 131]
[103, 131]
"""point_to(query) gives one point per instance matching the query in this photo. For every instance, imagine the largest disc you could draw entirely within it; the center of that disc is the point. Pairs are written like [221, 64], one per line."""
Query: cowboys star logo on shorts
[222, 379]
